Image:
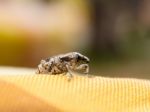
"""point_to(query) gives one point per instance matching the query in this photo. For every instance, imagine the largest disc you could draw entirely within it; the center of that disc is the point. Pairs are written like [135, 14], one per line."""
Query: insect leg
[69, 74]
[84, 67]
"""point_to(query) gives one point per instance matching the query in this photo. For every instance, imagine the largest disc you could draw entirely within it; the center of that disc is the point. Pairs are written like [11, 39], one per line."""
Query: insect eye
[78, 58]
[83, 59]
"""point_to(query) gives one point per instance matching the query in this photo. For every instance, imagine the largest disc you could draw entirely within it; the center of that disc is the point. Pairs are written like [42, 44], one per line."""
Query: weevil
[64, 64]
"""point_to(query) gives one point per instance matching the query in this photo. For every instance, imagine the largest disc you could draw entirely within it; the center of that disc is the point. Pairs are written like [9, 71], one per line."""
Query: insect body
[64, 63]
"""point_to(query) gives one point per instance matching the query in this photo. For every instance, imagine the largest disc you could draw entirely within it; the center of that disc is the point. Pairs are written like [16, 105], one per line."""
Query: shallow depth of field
[115, 35]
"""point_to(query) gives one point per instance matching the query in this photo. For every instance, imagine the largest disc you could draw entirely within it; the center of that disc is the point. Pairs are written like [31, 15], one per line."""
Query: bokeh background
[115, 35]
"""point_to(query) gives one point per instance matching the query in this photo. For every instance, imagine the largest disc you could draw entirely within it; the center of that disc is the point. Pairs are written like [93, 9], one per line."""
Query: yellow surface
[50, 93]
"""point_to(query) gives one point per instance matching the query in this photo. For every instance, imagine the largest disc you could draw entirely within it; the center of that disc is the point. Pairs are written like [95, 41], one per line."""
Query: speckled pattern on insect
[64, 63]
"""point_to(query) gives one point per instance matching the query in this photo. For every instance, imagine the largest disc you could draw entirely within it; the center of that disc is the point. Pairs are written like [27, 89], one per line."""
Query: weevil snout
[86, 59]
[83, 59]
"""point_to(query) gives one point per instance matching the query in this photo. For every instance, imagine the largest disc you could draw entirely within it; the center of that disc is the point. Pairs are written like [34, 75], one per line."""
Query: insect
[64, 63]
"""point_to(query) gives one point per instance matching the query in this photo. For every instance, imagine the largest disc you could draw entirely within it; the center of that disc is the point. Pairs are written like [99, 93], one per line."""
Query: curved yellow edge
[49, 93]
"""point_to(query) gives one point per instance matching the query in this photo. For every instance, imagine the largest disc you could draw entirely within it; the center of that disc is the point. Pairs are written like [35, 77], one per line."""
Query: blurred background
[115, 35]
